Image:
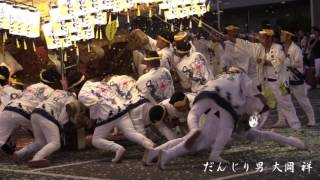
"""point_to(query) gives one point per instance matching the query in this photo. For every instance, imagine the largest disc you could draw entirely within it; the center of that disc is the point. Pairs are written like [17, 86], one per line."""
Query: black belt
[18, 110]
[101, 122]
[270, 80]
[296, 83]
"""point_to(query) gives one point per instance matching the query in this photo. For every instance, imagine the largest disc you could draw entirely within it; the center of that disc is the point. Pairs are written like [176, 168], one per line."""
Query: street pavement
[246, 160]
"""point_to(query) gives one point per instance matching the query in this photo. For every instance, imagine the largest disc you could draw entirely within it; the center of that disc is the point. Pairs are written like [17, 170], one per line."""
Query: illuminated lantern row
[75, 20]
[182, 8]
[20, 20]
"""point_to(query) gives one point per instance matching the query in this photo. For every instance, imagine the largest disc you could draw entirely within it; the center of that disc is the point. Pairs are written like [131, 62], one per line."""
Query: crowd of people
[198, 93]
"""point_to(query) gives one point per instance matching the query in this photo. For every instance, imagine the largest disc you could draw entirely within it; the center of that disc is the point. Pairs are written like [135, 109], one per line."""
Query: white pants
[317, 67]
[215, 134]
[9, 121]
[300, 93]
[140, 117]
[124, 123]
[46, 138]
[285, 105]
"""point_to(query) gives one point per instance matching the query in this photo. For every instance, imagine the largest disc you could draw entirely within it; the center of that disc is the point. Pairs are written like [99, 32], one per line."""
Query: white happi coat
[166, 54]
[106, 100]
[235, 55]
[194, 71]
[156, 85]
[218, 50]
[294, 59]
[101, 99]
[32, 96]
[8, 94]
[176, 59]
[273, 77]
[55, 105]
[278, 70]
[236, 88]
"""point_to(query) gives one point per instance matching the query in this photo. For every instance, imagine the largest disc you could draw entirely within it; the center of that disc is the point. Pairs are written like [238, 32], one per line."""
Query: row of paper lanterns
[19, 20]
[74, 20]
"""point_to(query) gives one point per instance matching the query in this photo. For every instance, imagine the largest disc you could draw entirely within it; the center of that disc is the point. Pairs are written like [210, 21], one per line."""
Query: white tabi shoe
[296, 142]
[149, 156]
[163, 159]
[119, 154]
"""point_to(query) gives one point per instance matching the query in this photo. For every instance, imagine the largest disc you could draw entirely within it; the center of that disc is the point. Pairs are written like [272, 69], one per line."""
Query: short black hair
[177, 96]
[73, 77]
[183, 45]
[152, 63]
[165, 33]
[155, 113]
[52, 76]
[4, 71]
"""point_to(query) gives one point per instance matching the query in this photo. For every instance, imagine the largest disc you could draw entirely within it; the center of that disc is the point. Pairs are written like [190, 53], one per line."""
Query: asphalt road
[95, 164]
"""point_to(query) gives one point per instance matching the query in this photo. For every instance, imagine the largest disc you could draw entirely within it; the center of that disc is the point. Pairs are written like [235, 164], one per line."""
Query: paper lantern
[75, 36]
[54, 14]
[101, 18]
[65, 41]
[95, 6]
[52, 41]
[32, 24]
[6, 9]
[14, 20]
[74, 26]
[107, 5]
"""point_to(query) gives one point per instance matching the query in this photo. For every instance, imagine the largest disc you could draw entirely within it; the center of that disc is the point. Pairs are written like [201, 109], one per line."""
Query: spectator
[315, 52]
[302, 40]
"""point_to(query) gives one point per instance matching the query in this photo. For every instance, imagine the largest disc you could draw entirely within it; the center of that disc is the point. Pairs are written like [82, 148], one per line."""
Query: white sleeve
[166, 61]
[206, 74]
[141, 84]
[226, 58]
[153, 43]
[171, 86]
[254, 50]
[279, 59]
[248, 87]
[297, 58]
[47, 92]
[86, 97]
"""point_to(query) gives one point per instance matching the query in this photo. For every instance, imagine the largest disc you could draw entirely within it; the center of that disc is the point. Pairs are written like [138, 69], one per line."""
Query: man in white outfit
[273, 75]
[17, 112]
[111, 108]
[234, 55]
[170, 116]
[193, 69]
[221, 100]
[221, 116]
[49, 121]
[7, 92]
[162, 44]
[294, 63]
[157, 84]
